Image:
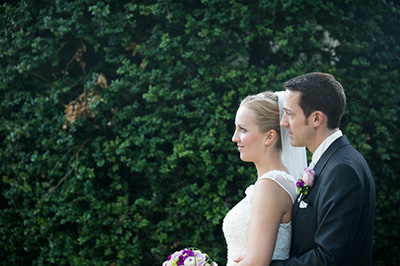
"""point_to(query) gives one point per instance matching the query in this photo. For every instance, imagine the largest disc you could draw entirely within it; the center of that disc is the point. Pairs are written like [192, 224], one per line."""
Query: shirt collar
[325, 145]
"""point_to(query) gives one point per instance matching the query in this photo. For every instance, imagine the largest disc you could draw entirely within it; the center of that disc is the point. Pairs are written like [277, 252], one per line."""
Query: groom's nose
[284, 122]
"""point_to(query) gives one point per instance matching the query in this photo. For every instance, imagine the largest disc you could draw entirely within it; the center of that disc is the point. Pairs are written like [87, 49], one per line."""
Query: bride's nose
[235, 138]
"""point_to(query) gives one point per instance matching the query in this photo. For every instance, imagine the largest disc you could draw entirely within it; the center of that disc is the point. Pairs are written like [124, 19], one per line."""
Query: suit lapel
[337, 144]
[319, 167]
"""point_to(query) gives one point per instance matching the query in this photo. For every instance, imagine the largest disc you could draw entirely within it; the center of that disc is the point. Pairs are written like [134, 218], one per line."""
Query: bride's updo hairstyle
[265, 105]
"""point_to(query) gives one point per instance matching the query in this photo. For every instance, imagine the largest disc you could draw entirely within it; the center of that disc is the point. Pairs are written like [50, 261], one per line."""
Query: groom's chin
[294, 143]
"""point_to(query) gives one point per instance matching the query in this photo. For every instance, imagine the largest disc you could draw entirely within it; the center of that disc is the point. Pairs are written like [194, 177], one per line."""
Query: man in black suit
[333, 223]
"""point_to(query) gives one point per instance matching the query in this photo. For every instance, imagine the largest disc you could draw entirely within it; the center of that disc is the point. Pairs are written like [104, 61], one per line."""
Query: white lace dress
[236, 223]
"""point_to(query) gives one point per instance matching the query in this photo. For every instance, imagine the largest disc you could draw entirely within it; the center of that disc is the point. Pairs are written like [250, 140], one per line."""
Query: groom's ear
[318, 118]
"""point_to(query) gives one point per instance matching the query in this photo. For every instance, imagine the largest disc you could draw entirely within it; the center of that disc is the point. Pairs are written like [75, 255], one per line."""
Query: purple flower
[188, 252]
[306, 182]
[300, 183]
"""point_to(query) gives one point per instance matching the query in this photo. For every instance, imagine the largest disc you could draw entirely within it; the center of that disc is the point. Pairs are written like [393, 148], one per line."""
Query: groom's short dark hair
[320, 92]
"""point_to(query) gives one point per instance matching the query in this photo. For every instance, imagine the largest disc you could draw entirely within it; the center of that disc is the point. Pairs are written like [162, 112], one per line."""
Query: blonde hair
[265, 105]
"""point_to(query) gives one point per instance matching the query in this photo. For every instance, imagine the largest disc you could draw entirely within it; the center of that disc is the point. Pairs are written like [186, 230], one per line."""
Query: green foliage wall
[116, 117]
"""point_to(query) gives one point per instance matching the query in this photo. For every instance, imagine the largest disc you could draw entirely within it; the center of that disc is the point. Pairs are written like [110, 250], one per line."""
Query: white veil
[294, 158]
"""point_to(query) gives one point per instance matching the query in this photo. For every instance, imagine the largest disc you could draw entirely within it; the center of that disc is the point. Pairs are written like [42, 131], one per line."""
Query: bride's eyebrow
[241, 125]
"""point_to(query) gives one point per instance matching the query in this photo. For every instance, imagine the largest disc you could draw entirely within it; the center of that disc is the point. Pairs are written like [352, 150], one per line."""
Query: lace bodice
[236, 224]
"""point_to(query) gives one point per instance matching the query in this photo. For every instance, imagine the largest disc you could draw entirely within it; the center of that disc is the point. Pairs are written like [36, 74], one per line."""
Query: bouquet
[189, 257]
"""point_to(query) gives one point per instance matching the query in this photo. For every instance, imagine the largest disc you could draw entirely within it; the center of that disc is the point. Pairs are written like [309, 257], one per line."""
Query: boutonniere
[305, 183]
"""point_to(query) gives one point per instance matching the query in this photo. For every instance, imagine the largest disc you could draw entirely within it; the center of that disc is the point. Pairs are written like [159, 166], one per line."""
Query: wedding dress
[236, 223]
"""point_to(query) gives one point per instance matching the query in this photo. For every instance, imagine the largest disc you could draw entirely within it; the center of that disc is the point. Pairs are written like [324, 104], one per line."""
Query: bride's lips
[240, 147]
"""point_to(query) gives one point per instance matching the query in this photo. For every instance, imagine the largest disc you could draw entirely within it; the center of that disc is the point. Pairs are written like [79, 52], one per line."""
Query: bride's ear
[270, 137]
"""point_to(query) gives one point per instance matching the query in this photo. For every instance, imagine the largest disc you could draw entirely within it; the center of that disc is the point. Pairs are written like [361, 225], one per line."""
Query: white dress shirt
[323, 146]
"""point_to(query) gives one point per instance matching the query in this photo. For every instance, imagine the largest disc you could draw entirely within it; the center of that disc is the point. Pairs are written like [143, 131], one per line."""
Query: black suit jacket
[336, 228]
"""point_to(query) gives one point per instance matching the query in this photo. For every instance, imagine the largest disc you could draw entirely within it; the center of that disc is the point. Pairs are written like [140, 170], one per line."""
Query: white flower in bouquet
[189, 257]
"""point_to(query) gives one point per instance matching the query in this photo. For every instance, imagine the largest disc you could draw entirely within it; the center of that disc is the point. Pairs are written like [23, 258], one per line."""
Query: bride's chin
[244, 159]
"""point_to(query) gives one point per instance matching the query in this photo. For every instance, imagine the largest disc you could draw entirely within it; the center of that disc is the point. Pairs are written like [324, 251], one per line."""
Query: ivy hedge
[116, 117]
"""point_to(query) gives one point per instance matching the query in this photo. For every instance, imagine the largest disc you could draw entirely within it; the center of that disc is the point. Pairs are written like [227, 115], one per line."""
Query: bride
[258, 229]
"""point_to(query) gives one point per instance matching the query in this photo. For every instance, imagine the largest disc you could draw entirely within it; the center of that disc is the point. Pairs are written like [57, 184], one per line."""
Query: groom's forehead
[292, 99]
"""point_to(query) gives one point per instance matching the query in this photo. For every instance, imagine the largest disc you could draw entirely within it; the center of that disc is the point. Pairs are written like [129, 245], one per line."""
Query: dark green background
[147, 166]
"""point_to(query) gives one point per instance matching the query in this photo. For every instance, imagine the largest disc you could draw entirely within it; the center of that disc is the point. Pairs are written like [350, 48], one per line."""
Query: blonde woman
[258, 228]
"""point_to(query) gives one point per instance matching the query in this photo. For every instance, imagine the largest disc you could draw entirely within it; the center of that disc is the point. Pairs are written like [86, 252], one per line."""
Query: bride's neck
[270, 165]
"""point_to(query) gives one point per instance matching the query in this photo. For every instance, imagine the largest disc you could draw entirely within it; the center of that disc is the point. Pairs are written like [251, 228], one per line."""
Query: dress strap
[284, 180]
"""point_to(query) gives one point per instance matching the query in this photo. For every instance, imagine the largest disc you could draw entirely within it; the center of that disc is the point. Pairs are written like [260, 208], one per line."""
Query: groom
[332, 224]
